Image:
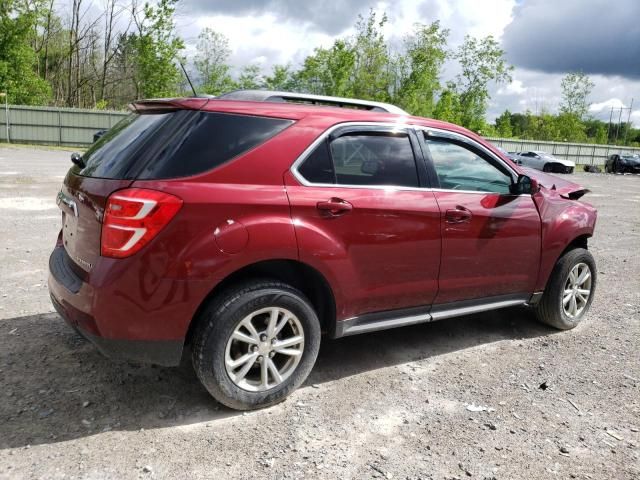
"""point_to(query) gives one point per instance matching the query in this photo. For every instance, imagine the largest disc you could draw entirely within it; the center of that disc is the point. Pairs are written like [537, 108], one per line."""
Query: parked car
[98, 135]
[248, 229]
[622, 164]
[510, 155]
[544, 161]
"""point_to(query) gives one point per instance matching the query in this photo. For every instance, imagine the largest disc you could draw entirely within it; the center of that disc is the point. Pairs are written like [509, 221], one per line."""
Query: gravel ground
[392, 404]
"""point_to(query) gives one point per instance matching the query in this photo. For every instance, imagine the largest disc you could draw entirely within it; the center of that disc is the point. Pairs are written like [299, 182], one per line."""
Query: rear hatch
[159, 140]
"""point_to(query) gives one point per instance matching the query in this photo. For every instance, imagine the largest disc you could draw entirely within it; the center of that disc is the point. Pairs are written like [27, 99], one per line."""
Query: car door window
[460, 168]
[374, 158]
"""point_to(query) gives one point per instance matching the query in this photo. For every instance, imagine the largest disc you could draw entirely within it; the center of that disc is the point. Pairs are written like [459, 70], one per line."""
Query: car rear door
[490, 237]
[364, 219]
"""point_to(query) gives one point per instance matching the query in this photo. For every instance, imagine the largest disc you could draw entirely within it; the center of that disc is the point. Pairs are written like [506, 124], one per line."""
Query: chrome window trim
[469, 141]
[400, 126]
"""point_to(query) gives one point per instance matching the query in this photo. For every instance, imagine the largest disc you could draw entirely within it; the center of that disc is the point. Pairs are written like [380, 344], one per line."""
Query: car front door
[365, 220]
[490, 237]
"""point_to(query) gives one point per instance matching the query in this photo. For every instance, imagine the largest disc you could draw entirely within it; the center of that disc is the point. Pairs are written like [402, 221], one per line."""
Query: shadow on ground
[48, 374]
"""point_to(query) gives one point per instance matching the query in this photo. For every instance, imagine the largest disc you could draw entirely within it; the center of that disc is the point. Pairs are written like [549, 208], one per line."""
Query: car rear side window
[318, 168]
[363, 158]
[176, 144]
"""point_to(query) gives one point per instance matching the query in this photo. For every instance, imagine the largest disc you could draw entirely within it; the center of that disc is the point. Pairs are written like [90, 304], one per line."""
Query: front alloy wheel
[569, 290]
[577, 290]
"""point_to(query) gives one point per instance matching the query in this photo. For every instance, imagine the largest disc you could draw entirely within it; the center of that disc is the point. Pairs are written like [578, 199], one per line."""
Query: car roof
[330, 115]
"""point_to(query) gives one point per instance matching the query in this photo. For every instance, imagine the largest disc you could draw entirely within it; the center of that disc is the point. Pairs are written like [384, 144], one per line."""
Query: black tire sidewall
[553, 312]
[221, 324]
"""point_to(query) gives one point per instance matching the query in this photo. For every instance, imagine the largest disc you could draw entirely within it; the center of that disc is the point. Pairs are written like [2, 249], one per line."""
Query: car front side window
[460, 168]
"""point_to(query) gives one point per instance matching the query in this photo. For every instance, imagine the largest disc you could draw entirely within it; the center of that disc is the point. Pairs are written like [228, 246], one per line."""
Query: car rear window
[175, 144]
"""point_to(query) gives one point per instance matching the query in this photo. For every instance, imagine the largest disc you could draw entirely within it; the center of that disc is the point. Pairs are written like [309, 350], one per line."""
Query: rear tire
[566, 289]
[240, 323]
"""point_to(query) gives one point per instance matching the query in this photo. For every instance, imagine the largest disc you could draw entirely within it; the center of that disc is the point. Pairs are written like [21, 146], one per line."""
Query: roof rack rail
[275, 96]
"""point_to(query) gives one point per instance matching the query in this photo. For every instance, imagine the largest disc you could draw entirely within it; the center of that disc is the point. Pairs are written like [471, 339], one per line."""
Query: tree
[576, 88]
[281, 78]
[211, 62]
[419, 69]
[250, 78]
[448, 107]
[482, 62]
[157, 47]
[328, 71]
[18, 61]
[371, 75]
[503, 125]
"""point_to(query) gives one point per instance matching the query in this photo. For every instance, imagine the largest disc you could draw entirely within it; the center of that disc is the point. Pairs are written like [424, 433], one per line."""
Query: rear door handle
[334, 207]
[458, 215]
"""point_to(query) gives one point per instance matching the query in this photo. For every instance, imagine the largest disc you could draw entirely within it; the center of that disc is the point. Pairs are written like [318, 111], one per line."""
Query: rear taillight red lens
[133, 217]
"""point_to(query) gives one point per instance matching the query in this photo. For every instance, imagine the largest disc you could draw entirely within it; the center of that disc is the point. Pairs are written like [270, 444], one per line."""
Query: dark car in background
[617, 163]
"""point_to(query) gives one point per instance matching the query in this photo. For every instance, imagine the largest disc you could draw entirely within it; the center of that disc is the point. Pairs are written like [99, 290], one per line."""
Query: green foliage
[211, 62]
[328, 71]
[482, 63]
[418, 70]
[157, 48]
[281, 78]
[18, 62]
[576, 88]
[503, 125]
[250, 78]
[448, 107]
[563, 127]
[370, 77]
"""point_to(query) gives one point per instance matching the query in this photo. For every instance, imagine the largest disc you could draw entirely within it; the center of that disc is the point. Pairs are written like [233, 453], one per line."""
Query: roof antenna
[188, 79]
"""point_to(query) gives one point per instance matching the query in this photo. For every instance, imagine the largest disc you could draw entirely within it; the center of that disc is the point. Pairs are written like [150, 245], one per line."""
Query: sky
[543, 39]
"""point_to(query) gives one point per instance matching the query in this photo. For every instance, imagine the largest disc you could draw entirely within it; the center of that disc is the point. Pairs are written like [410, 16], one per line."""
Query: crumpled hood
[564, 187]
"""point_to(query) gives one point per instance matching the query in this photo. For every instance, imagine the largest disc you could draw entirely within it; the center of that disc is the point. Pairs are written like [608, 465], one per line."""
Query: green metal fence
[75, 127]
[54, 126]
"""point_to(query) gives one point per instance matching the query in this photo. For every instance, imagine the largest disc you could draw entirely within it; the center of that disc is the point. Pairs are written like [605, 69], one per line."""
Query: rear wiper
[76, 158]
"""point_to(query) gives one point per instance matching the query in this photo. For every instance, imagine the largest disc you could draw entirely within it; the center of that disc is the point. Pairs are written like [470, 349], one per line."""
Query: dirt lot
[392, 404]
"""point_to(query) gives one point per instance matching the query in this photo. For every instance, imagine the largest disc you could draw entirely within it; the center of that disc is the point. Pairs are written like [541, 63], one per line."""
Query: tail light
[133, 217]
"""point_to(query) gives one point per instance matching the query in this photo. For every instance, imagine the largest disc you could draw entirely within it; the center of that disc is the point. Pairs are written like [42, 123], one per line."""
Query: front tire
[548, 168]
[255, 344]
[570, 290]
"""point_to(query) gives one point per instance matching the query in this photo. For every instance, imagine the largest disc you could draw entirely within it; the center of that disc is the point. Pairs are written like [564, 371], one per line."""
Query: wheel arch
[293, 272]
[581, 240]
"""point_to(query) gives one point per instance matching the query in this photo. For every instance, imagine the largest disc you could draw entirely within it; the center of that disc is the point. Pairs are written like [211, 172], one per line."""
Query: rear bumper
[80, 304]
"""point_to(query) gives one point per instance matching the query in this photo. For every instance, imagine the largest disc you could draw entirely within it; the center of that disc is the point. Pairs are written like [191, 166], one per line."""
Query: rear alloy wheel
[570, 290]
[255, 344]
[264, 349]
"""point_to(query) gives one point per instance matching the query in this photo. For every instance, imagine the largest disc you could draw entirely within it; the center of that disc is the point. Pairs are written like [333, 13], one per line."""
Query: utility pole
[615, 141]
[628, 126]
[609, 126]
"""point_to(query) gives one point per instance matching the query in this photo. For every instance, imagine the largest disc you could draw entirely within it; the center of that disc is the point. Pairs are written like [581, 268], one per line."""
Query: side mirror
[524, 186]
[369, 167]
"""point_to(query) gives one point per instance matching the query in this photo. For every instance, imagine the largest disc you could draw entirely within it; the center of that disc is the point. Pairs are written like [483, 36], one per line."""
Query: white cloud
[272, 37]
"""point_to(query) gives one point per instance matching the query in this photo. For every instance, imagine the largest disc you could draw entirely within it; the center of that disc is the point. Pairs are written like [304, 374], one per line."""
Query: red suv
[248, 225]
